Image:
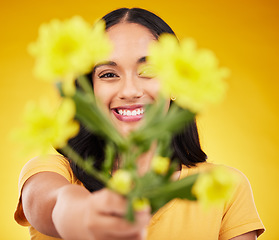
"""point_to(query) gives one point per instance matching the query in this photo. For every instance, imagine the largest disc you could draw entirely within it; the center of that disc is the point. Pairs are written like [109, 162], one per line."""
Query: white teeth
[135, 112]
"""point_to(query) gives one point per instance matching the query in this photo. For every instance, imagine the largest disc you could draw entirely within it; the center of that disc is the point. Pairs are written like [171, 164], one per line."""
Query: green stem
[86, 87]
[67, 150]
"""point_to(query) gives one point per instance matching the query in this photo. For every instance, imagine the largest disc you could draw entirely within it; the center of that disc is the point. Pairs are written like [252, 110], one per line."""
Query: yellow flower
[160, 165]
[121, 182]
[147, 70]
[140, 204]
[66, 49]
[46, 127]
[191, 75]
[215, 187]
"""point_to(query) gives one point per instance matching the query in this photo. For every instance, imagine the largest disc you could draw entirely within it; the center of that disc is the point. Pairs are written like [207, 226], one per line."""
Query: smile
[125, 112]
[130, 114]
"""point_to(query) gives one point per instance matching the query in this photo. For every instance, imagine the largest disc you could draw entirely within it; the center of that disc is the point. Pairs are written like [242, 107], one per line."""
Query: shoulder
[242, 187]
[46, 162]
[207, 166]
[52, 163]
[239, 211]
[49, 163]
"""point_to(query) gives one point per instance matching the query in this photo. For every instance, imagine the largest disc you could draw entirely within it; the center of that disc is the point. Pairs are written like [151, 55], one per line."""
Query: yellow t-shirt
[179, 219]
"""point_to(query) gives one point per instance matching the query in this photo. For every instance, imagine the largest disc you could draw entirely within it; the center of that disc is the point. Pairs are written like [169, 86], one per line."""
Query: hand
[106, 218]
[96, 216]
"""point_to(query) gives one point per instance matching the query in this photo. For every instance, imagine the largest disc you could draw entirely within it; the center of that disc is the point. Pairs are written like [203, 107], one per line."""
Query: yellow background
[241, 132]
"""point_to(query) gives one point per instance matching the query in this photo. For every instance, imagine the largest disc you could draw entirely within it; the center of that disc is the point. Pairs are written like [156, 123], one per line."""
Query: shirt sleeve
[51, 163]
[240, 213]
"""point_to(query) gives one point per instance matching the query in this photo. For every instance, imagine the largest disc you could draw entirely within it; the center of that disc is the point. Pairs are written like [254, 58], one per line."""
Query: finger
[119, 226]
[110, 202]
[116, 224]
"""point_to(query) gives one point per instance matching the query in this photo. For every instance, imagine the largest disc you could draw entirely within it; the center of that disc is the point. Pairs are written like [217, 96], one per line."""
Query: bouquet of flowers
[66, 51]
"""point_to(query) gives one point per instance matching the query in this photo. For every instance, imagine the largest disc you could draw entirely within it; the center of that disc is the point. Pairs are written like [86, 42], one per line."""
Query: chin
[128, 128]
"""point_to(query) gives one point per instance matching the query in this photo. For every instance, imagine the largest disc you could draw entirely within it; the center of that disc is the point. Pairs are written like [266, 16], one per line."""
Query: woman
[59, 200]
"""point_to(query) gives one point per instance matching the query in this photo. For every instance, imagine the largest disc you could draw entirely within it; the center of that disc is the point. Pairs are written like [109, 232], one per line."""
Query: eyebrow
[111, 63]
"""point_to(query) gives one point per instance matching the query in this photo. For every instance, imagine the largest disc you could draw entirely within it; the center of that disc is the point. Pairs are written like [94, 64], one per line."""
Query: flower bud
[160, 165]
[140, 204]
[121, 182]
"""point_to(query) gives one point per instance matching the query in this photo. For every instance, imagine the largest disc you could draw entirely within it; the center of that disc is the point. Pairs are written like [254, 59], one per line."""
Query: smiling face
[118, 85]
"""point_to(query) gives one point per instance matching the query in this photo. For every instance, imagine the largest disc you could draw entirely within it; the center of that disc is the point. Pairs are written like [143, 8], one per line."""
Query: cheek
[102, 94]
[153, 87]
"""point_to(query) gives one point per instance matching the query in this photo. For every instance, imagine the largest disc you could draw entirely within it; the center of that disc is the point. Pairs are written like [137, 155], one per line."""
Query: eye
[108, 75]
[146, 71]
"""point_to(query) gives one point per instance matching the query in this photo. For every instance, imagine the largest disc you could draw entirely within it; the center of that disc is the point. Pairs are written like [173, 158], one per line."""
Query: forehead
[130, 38]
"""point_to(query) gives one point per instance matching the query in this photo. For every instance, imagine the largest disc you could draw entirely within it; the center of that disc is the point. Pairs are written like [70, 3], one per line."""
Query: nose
[130, 88]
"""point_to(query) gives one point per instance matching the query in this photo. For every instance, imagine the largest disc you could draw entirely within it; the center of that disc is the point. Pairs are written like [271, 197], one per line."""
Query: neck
[143, 161]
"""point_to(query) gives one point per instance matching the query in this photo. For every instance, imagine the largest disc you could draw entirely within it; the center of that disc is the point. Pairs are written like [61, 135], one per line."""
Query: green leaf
[177, 189]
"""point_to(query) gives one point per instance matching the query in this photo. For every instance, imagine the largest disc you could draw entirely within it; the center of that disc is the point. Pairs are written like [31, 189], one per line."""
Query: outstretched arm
[57, 208]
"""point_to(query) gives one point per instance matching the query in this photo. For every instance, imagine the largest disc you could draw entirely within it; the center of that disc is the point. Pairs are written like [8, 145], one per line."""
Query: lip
[128, 118]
